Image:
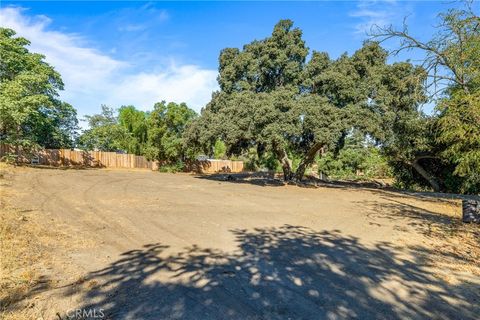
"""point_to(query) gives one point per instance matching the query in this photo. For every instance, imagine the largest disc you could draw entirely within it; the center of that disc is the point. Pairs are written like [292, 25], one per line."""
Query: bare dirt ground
[145, 245]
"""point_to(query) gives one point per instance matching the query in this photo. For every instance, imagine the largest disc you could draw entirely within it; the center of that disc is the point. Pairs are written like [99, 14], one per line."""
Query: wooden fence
[212, 166]
[67, 157]
[101, 159]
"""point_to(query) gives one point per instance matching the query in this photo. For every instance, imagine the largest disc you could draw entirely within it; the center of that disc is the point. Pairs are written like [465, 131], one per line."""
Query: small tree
[166, 125]
[135, 123]
[105, 133]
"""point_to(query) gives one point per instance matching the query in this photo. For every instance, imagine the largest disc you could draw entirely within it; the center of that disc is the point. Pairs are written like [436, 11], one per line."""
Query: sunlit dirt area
[126, 244]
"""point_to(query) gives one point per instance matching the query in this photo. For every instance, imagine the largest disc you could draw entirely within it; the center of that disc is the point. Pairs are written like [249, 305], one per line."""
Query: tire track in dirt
[55, 200]
[180, 220]
[111, 225]
[139, 231]
[48, 196]
[151, 222]
[70, 215]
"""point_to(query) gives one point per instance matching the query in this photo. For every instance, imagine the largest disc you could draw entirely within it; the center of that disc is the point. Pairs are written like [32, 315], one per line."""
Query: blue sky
[119, 53]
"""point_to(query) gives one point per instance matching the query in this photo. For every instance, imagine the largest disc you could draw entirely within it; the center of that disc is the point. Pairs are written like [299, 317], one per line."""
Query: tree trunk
[307, 160]
[286, 164]
[17, 147]
[427, 176]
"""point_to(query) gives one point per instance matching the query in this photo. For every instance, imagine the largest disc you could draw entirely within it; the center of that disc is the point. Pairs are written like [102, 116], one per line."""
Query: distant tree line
[156, 134]
[282, 107]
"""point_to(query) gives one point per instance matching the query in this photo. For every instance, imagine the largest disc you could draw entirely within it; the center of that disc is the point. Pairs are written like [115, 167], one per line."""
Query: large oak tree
[272, 99]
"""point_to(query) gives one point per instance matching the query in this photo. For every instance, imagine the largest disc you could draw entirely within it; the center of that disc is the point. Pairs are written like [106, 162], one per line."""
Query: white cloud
[186, 83]
[377, 13]
[148, 14]
[92, 77]
[132, 27]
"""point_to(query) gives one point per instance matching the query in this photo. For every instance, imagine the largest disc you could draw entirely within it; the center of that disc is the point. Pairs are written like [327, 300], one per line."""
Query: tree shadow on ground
[270, 178]
[265, 179]
[288, 272]
[262, 179]
[420, 219]
[15, 291]
[409, 218]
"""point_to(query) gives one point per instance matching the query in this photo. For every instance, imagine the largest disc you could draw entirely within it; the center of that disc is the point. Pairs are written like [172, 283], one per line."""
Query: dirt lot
[144, 245]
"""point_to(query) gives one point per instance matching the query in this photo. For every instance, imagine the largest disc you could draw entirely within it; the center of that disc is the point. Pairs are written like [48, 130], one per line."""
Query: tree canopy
[272, 99]
[30, 111]
[452, 62]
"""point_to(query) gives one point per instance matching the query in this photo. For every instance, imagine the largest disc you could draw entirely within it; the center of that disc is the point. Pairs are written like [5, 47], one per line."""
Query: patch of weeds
[172, 168]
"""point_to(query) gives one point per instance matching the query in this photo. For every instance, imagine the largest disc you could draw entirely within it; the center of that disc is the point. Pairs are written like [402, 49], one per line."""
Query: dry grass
[20, 252]
[453, 245]
[456, 247]
[31, 259]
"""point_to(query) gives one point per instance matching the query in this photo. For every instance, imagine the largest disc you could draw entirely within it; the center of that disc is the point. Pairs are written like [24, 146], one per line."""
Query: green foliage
[459, 127]
[172, 167]
[105, 133]
[219, 150]
[358, 158]
[166, 125]
[267, 161]
[135, 123]
[54, 128]
[265, 65]
[30, 112]
[156, 134]
[447, 143]
[9, 158]
[275, 102]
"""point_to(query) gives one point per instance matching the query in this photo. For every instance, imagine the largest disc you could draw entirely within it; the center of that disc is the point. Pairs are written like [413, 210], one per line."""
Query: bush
[172, 167]
[354, 163]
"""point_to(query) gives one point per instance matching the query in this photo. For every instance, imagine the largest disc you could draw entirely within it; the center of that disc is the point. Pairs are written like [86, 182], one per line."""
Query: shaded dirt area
[145, 245]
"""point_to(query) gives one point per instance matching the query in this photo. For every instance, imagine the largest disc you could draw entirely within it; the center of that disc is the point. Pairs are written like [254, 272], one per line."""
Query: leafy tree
[219, 150]
[272, 100]
[105, 133]
[259, 102]
[30, 112]
[54, 128]
[452, 61]
[158, 134]
[404, 131]
[266, 65]
[136, 124]
[357, 155]
[166, 125]
[349, 85]
[459, 131]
